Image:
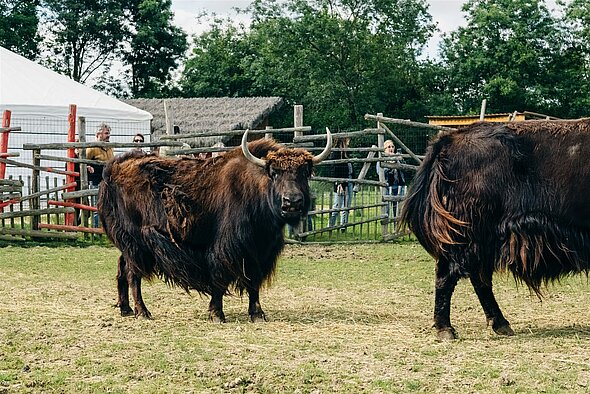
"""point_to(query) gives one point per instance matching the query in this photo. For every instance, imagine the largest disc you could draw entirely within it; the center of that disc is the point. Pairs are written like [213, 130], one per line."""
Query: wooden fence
[56, 210]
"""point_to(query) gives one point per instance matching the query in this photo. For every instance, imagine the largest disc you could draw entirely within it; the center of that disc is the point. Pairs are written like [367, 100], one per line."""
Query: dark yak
[213, 225]
[503, 197]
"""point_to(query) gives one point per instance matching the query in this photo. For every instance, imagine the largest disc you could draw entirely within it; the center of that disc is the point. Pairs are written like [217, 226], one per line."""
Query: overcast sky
[446, 13]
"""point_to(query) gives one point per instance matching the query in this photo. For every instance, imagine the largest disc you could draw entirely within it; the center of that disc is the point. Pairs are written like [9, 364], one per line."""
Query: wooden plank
[70, 160]
[350, 134]
[68, 145]
[48, 191]
[9, 129]
[73, 205]
[360, 160]
[11, 189]
[35, 212]
[11, 238]
[37, 233]
[7, 203]
[9, 196]
[37, 167]
[64, 227]
[337, 227]
[354, 180]
[79, 193]
[12, 182]
[406, 122]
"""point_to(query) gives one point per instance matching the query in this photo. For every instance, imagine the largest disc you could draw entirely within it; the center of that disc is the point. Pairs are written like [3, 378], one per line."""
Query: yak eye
[274, 173]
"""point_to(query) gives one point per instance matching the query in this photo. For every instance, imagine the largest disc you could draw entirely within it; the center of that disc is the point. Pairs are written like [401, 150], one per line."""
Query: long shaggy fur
[199, 224]
[513, 196]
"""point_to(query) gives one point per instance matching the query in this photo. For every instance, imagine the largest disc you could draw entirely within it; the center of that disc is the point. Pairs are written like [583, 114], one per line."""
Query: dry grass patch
[341, 319]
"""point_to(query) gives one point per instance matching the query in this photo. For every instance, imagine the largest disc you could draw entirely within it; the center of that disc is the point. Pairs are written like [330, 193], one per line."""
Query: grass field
[353, 318]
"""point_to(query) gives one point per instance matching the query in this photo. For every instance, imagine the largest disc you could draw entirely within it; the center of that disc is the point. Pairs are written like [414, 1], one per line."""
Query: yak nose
[293, 201]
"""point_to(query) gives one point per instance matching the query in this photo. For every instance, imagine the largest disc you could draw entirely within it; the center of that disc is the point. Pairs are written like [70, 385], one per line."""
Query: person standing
[342, 189]
[138, 139]
[103, 154]
[394, 177]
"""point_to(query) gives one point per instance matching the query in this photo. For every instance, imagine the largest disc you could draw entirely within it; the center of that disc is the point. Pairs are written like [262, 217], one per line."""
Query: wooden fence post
[385, 208]
[298, 119]
[70, 153]
[83, 179]
[298, 122]
[36, 186]
[4, 140]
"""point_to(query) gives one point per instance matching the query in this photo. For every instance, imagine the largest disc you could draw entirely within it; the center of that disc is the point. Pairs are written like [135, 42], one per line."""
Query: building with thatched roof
[194, 115]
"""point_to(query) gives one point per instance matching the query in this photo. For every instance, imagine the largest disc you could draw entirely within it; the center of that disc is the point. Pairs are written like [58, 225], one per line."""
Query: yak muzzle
[292, 206]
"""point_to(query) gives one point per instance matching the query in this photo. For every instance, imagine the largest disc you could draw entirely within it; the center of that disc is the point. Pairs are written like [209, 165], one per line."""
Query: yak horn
[250, 156]
[324, 155]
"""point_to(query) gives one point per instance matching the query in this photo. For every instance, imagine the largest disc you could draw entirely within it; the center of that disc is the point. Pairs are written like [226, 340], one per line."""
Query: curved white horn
[250, 156]
[324, 155]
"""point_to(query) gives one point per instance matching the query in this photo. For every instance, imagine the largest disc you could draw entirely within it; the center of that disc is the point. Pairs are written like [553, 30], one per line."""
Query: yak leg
[490, 306]
[140, 308]
[254, 309]
[216, 314]
[444, 287]
[123, 288]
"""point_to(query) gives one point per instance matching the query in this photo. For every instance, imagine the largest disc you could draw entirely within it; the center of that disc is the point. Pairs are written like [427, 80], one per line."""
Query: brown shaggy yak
[503, 197]
[208, 225]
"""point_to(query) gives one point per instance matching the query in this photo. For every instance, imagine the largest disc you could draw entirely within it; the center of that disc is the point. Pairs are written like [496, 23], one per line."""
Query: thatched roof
[194, 115]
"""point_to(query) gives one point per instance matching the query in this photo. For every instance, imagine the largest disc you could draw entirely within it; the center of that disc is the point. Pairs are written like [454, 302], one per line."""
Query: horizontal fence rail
[371, 212]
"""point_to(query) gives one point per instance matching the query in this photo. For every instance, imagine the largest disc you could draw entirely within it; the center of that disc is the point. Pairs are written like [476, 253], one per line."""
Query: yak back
[506, 197]
[178, 218]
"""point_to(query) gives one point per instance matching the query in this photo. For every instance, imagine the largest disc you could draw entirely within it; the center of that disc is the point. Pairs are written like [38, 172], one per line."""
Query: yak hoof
[504, 330]
[127, 312]
[213, 318]
[446, 334]
[143, 313]
[258, 318]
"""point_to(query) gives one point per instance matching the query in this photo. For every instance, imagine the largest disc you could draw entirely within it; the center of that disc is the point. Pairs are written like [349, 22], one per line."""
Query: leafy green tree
[339, 58]
[84, 35]
[218, 64]
[509, 53]
[156, 47]
[575, 72]
[342, 59]
[90, 38]
[18, 26]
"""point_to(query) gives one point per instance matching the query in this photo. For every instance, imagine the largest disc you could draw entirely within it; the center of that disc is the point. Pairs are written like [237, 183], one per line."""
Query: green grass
[353, 318]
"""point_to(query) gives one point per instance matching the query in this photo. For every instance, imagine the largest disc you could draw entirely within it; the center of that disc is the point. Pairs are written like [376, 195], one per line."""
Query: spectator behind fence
[103, 154]
[394, 177]
[138, 139]
[343, 191]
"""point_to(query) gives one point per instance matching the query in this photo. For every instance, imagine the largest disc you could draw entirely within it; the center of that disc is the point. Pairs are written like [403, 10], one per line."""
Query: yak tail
[424, 211]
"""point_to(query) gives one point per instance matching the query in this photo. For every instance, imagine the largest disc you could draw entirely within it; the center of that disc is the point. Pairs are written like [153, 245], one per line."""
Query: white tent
[39, 100]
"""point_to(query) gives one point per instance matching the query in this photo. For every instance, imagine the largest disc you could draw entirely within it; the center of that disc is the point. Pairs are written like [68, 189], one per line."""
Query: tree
[18, 27]
[91, 38]
[339, 58]
[155, 47]
[509, 53]
[218, 64]
[84, 35]
[575, 87]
